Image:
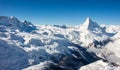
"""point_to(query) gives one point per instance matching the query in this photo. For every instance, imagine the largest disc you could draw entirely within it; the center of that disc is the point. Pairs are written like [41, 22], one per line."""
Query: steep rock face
[92, 32]
[90, 25]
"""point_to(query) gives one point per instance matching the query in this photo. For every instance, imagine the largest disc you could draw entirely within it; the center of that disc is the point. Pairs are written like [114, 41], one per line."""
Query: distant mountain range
[88, 46]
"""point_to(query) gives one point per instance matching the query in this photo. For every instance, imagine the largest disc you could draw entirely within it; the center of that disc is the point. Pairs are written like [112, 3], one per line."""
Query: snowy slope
[47, 65]
[112, 28]
[90, 32]
[14, 24]
[99, 65]
[23, 44]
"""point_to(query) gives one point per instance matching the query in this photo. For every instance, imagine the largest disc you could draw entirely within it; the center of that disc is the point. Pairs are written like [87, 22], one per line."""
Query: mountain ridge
[13, 23]
[68, 47]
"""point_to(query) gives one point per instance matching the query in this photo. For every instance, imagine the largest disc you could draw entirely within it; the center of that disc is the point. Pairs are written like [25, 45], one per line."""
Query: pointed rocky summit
[90, 25]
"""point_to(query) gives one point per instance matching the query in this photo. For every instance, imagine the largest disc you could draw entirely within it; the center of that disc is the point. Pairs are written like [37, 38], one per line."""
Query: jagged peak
[88, 20]
[91, 26]
[13, 23]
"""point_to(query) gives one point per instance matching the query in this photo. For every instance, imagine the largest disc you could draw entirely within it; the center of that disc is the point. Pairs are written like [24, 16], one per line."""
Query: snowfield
[99, 65]
[58, 47]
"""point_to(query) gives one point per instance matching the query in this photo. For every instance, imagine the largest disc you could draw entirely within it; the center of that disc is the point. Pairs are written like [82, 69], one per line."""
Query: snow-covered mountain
[54, 47]
[12, 23]
[91, 26]
[100, 65]
[91, 32]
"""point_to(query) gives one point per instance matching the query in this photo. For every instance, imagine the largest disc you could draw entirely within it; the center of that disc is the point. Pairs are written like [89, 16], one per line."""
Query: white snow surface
[99, 65]
[23, 44]
[40, 66]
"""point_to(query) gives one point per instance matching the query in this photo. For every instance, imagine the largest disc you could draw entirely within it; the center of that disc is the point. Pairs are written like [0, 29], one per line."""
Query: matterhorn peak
[88, 20]
[91, 26]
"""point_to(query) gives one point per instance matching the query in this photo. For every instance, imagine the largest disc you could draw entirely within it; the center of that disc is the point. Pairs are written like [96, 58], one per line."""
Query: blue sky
[68, 12]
